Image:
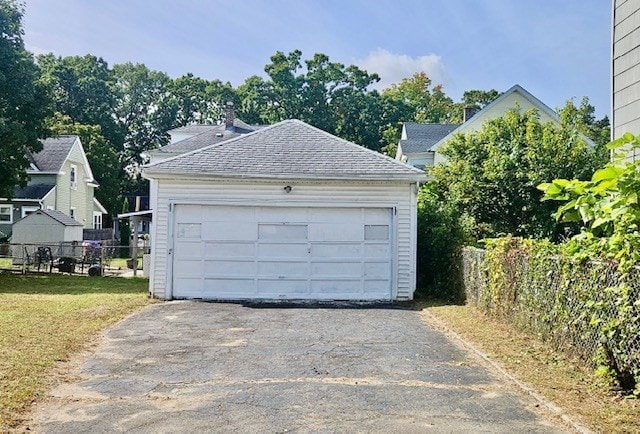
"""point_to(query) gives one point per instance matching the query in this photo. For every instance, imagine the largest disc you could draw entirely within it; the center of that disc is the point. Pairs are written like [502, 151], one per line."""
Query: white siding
[399, 195]
[626, 68]
[509, 102]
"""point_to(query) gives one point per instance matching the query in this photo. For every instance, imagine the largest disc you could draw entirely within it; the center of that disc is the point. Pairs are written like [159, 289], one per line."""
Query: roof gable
[55, 151]
[421, 137]
[289, 149]
[496, 108]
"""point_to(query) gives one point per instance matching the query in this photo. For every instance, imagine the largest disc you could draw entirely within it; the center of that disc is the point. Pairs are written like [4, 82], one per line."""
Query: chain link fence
[588, 310]
[93, 258]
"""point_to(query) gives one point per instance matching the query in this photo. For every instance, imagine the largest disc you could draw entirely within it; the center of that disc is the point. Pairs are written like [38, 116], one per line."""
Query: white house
[286, 212]
[625, 98]
[60, 179]
[420, 143]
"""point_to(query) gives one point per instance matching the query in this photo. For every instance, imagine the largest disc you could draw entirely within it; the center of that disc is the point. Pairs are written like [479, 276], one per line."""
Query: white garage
[288, 212]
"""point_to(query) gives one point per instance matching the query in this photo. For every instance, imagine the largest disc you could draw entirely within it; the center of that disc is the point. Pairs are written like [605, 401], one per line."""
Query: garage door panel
[336, 287]
[189, 231]
[378, 287]
[189, 213]
[282, 232]
[377, 251]
[190, 287]
[376, 216]
[283, 288]
[336, 269]
[188, 268]
[334, 215]
[220, 287]
[282, 214]
[280, 250]
[283, 268]
[336, 250]
[229, 268]
[336, 232]
[229, 231]
[230, 250]
[377, 270]
[188, 250]
[229, 214]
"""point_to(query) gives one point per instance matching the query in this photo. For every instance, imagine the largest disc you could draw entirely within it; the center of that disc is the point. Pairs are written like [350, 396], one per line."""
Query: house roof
[420, 137]
[55, 151]
[35, 191]
[205, 135]
[57, 216]
[288, 149]
[514, 89]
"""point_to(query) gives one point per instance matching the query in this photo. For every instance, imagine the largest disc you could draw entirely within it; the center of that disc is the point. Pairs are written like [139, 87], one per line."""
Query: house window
[72, 212]
[97, 220]
[26, 210]
[6, 213]
[73, 175]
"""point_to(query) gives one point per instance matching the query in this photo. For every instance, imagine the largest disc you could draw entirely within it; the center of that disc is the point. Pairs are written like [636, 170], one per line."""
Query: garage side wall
[399, 195]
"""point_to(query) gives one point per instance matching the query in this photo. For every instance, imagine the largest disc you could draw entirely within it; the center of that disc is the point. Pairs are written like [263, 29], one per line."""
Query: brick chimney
[468, 112]
[229, 117]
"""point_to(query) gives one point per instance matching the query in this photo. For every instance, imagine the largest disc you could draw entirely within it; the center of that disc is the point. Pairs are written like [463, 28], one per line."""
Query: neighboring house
[59, 179]
[192, 137]
[420, 143]
[286, 212]
[625, 69]
[416, 141]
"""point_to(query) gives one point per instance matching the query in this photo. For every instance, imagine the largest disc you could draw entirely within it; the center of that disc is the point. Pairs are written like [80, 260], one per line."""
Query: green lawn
[44, 319]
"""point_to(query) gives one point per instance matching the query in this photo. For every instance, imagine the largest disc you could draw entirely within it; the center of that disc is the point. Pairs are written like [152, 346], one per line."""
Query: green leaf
[609, 172]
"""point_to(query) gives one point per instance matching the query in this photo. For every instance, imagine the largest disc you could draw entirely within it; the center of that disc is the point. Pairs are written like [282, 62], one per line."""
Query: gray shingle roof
[35, 191]
[205, 135]
[289, 149]
[54, 151]
[59, 216]
[421, 137]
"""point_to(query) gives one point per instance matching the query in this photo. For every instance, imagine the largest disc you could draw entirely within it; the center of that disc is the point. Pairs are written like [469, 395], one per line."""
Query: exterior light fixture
[288, 189]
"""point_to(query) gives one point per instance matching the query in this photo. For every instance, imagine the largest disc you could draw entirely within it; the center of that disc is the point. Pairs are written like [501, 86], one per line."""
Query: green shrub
[441, 233]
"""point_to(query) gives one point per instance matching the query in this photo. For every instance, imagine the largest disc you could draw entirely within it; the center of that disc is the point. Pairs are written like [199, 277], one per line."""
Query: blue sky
[556, 49]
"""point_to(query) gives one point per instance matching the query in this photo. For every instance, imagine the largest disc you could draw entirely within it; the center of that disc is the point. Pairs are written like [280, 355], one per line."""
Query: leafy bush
[607, 206]
[441, 233]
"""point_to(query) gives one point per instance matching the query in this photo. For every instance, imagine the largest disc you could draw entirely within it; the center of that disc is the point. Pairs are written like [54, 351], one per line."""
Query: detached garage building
[286, 212]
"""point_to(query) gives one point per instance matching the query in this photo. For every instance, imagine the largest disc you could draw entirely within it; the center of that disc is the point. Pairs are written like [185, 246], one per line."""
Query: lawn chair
[44, 258]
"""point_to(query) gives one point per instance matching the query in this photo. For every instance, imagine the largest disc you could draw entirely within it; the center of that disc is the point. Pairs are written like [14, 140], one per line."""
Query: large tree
[83, 89]
[24, 101]
[491, 175]
[197, 100]
[326, 94]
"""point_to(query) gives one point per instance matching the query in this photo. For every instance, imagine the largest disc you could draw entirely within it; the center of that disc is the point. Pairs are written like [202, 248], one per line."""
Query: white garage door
[246, 252]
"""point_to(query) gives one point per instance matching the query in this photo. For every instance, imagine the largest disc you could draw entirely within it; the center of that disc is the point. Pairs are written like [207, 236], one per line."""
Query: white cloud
[392, 68]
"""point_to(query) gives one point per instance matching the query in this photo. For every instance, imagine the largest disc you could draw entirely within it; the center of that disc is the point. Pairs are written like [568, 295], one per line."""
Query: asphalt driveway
[193, 366]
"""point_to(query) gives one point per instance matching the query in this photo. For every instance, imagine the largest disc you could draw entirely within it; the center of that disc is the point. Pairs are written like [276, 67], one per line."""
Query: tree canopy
[491, 175]
[24, 101]
[124, 110]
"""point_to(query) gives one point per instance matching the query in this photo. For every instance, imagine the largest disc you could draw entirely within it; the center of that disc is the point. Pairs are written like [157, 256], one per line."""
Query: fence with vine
[589, 310]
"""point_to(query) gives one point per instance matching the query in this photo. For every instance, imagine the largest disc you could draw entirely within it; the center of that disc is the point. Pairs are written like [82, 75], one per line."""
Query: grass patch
[6, 263]
[561, 380]
[44, 319]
